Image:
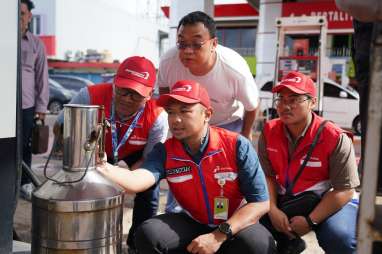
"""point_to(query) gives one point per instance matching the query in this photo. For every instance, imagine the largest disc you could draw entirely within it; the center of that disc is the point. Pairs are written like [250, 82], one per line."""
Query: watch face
[225, 228]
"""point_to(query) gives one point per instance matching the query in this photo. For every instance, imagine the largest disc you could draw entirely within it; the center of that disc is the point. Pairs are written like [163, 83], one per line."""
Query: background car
[71, 82]
[58, 96]
[340, 104]
[107, 77]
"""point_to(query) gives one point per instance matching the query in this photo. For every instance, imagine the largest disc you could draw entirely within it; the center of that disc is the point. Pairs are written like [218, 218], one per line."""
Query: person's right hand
[280, 221]
[40, 116]
[104, 168]
[100, 160]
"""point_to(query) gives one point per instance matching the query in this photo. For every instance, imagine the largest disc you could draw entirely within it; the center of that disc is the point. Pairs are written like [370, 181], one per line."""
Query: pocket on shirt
[28, 59]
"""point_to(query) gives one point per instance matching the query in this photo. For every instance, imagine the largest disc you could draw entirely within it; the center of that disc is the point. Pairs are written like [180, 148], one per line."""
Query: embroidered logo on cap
[184, 88]
[144, 75]
[294, 80]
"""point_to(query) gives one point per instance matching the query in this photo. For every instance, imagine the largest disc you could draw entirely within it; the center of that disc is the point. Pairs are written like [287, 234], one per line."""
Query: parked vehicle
[58, 96]
[107, 77]
[71, 82]
[340, 104]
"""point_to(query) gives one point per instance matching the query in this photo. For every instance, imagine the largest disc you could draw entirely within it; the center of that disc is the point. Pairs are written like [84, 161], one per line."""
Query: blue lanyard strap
[203, 182]
[114, 132]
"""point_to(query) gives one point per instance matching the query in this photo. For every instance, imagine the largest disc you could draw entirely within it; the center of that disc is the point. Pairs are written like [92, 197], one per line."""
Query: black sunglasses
[194, 46]
[124, 92]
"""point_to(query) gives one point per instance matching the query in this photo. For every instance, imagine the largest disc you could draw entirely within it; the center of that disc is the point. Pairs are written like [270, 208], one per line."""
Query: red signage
[226, 10]
[336, 19]
[50, 44]
[82, 65]
[235, 10]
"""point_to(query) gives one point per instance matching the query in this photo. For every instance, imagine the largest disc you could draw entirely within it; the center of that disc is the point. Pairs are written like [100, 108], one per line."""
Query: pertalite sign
[336, 19]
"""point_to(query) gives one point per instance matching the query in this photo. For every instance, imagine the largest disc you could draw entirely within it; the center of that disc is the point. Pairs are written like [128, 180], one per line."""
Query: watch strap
[312, 225]
[225, 228]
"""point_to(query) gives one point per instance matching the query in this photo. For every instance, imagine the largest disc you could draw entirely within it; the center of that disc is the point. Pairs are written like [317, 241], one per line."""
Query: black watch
[225, 228]
[313, 225]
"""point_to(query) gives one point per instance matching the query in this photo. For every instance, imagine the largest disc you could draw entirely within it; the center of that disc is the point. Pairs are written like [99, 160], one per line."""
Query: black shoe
[293, 246]
[130, 245]
[131, 250]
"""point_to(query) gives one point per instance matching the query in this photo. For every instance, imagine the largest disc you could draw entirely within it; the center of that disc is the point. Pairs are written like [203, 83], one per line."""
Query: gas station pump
[301, 44]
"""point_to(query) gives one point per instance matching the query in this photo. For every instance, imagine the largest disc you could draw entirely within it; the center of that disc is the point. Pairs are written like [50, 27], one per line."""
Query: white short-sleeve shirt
[230, 83]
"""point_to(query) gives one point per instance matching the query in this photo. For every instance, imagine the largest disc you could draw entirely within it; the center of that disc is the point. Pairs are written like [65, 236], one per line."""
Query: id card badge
[220, 208]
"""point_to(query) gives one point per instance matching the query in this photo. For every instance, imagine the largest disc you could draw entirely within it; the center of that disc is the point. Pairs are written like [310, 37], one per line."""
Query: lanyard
[287, 179]
[221, 182]
[114, 132]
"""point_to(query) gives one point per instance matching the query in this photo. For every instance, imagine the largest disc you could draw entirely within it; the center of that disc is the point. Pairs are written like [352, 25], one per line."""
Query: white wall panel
[8, 67]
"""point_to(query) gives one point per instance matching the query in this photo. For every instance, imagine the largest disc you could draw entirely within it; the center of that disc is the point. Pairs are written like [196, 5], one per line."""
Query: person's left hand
[299, 225]
[207, 243]
[40, 115]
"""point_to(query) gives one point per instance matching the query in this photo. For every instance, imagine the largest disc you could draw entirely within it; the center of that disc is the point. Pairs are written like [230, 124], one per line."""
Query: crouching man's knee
[148, 238]
[337, 241]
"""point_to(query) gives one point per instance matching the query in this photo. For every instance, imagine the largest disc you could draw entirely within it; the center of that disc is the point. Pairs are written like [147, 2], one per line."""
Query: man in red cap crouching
[311, 172]
[137, 124]
[213, 173]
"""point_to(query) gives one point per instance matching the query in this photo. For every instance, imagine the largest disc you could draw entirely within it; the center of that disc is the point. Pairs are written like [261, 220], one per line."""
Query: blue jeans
[337, 233]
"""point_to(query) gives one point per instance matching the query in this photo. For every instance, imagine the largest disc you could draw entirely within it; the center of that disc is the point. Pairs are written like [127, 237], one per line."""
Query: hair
[29, 4]
[199, 17]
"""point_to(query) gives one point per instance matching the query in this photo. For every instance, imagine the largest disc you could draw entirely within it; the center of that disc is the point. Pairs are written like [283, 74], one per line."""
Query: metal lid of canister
[93, 192]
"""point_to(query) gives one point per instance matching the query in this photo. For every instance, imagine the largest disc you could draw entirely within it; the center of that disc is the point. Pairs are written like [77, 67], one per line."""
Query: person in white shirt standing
[224, 73]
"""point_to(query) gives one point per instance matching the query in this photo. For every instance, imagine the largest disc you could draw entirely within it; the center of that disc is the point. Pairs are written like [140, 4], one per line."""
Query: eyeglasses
[194, 46]
[124, 92]
[291, 101]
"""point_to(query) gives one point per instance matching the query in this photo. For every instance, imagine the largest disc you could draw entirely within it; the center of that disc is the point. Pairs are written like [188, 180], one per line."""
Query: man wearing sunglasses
[137, 124]
[330, 172]
[224, 73]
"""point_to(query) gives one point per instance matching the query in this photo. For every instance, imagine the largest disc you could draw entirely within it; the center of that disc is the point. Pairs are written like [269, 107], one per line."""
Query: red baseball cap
[297, 83]
[187, 91]
[137, 73]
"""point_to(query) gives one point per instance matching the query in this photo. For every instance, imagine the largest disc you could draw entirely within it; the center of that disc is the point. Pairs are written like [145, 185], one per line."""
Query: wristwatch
[225, 228]
[313, 225]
